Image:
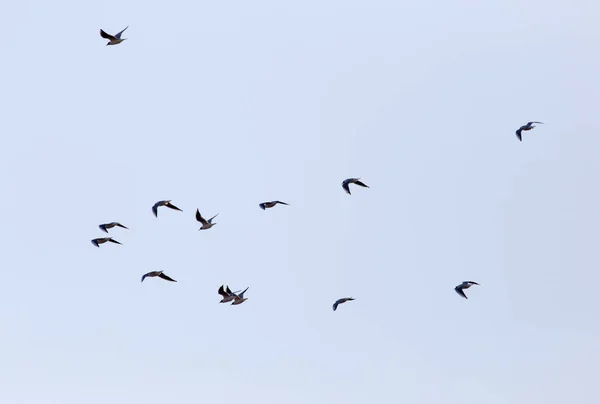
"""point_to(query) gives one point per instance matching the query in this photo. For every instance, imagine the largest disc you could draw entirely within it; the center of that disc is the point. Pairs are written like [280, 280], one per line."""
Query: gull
[266, 205]
[159, 274]
[239, 299]
[104, 227]
[227, 294]
[529, 126]
[98, 241]
[168, 204]
[206, 224]
[465, 285]
[113, 40]
[340, 301]
[346, 184]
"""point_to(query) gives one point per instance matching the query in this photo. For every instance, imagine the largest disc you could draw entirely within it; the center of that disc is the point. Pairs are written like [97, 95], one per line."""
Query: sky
[223, 105]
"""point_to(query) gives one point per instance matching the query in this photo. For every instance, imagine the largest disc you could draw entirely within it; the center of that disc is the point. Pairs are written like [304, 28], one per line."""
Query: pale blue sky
[223, 105]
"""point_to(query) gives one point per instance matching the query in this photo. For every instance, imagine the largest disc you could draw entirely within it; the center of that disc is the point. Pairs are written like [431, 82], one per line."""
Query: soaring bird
[529, 126]
[98, 241]
[465, 285]
[340, 301]
[239, 299]
[266, 205]
[113, 39]
[168, 204]
[227, 294]
[104, 227]
[346, 184]
[206, 224]
[160, 274]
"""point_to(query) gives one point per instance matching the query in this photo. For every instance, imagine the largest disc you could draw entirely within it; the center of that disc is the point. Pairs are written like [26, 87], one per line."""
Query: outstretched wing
[362, 184]
[222, 292]
[335, 305]
[113, 241]
[166, 278]
[200, 218]
[529, 123]
[103, 228]
[518, 132]
[118, 36]
[170, 205]
[121, 226]
[155, 209]
[460, 291]
[283, 203]
[211, 219]
[346, 187]
[107, 36]
[262, 205]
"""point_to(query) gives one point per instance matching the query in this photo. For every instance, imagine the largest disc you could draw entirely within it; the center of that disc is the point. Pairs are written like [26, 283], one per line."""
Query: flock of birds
[226, 293]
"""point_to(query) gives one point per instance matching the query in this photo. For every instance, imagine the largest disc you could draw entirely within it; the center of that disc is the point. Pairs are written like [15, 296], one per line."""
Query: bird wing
[95, 242]
[155, 209]
[262, 206]
[170, 205]
[165, 277]
[283, 203]
[145, 275]
[118, 36]
[120, 225]
[103, 228]
[460, 291]
[518, 132]
[200, 218]
[346, 187]
[362, 184]
[241, 295]
[229, 292]
[107, 36]
[472, 283]
[222, 292]
[210, 220]
[335, 305]
[113, 241]
[529, 123]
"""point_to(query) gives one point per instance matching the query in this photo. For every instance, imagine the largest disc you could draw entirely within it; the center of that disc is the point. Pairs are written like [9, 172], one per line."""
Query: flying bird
[113, 39]
[227, 294]
[266, 205]
[346, 184]
[465, 285]
[340, 301]
[529, 126]
[160, 274]
[98, 241]
[168, 204]
[239, 299]
[104, 227]
[206, 224]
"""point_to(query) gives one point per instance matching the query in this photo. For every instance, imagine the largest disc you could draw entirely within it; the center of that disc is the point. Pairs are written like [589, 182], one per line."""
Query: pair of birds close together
[228, 295]
[104, 227]
[206, 224]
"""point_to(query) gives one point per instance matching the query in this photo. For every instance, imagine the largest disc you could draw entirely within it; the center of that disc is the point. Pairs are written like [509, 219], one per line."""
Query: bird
[206, 224]
[168, 204]
[340, 301]
[529, 126]
[104, 227]
[113, 40]
[160, 274]
[465, 285]
[266, 205]
[346, 184]
[98, 241]
[239, 299]
[227, 294]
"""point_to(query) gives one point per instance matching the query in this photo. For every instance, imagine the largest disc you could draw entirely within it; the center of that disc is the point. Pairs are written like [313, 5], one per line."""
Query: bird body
[104, 227]
[206, 224]
[166, 203]
[529, 126]
[340, 301]
[239, 299]
[266, 205]
[465, 285]
[347, 182]
[160, 274]
[98, 241]
[113, 39]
